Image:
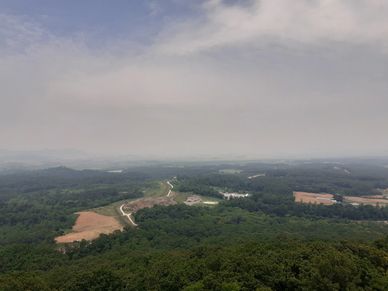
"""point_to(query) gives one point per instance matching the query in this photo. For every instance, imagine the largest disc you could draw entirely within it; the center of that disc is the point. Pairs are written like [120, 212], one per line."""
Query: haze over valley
[225, 145]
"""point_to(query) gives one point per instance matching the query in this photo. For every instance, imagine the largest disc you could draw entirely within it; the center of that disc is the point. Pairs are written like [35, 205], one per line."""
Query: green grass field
[157, 189]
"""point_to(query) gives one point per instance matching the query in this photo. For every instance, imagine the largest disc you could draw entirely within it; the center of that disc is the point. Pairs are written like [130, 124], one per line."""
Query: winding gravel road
[127, 215]
[171, 187]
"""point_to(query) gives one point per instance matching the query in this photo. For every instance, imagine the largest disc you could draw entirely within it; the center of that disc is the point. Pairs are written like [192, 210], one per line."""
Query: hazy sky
[263, 78]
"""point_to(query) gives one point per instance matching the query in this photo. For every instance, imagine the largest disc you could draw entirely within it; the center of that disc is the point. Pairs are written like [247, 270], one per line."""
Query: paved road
[127, 215]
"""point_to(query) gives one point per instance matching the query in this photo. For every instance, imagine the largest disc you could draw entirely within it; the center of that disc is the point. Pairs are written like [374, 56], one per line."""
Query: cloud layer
[260, 78]
[287, 22]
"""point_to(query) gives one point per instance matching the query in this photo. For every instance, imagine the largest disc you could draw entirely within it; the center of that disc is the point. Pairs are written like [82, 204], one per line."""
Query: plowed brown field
[88, 226]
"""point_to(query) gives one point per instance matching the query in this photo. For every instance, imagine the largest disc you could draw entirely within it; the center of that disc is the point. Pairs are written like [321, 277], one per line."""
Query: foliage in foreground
[183, 248]
[280, 265]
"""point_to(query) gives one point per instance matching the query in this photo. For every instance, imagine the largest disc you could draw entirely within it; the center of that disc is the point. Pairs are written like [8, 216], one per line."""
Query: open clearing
[314, 198]
[109, 218]
[162, 189]
[328, 199]
[113, 210]
[373, 200]
[138, 204]
[157, 189]
[88, 226]
[199, 200]
[180, 197]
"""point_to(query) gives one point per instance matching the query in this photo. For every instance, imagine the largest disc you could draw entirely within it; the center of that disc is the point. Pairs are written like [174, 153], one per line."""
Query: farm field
[90, 225]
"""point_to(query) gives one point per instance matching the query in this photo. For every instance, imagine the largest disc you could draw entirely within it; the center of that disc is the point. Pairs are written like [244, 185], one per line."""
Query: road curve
[171, 187]
[127, 215]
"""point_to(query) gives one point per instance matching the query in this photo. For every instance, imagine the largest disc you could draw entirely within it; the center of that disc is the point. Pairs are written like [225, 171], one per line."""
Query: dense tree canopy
[264, 242]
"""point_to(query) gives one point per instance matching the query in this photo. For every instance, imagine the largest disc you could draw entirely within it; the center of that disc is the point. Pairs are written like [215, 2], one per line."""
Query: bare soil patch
[192, 200]
[138, 204]
[88, 226]
[327, 199]
[372, 200]
[314, 198]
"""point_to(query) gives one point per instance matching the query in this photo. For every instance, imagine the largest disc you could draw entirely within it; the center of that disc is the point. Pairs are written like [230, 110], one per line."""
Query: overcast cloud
[256, 78]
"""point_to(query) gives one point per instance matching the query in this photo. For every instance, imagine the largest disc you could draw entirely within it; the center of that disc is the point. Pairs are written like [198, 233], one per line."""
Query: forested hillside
[263, 242]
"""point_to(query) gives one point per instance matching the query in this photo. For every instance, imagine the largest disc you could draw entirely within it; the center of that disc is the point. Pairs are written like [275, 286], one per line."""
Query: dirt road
[145, 203]
[127, 215]
[171, 187]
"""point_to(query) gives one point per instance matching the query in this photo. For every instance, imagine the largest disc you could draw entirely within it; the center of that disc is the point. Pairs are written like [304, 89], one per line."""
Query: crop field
[88, 226]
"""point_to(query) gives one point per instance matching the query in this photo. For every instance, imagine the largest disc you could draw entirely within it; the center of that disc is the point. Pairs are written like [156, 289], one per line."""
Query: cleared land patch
[328, 199]
[199, 200]
[157, 189]
[138, 204]
[113, 210]
[372, 200]
[194, 199]
[191, 199]
[314, 198]
[88, 226]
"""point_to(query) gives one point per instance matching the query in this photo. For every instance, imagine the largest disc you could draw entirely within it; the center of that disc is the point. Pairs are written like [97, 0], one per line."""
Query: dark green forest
[263, 242]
